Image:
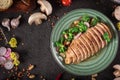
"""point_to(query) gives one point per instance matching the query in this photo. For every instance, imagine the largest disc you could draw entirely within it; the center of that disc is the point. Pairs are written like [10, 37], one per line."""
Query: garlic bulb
[15, 22]
[6, 23]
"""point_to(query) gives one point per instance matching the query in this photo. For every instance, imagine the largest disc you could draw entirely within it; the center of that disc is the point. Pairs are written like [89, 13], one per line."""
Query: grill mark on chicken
[94, 43]
[95, 37]
[82, 48]
[102, 31]
[108, 30]
[76, 51]
[99, 36]
[85, 44]
[89, 42]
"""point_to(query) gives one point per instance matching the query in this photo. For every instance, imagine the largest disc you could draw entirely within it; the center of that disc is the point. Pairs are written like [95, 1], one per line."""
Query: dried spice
[30, 67]
[32, 76]
[2, 36]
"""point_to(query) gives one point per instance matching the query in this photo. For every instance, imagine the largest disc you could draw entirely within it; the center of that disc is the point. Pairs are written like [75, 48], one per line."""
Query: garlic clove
[15, 22]
[6, 23]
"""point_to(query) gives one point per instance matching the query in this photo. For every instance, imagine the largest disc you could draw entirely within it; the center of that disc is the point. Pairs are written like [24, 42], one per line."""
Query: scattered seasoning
[64, 13]
[28, 74]
[32, 76]
[41, 76]
[73, 79]
[94, 75]
[93, 79]
[49, 20]
[6, 41]
[97, 2]
[30, 67]
[58, 17]
[17, 74]
[44, 79]
[20, 74]
[52, 24]
[23, 70]
[13, 35]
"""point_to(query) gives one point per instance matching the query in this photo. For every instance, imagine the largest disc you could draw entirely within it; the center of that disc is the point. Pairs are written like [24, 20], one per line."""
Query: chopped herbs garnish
[94, 21]
[106, 37]
[82, 26]
[74, 30]
[85, 18]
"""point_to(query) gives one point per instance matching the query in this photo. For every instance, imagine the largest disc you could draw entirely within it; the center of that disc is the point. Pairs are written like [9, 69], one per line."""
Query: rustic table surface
[36, 39]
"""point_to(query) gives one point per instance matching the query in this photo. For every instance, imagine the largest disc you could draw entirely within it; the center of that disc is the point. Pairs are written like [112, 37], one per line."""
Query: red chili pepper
[58, 76]
[66, 2]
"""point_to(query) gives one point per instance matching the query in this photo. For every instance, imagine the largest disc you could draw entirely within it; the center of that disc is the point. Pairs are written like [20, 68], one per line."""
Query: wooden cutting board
[19, 6]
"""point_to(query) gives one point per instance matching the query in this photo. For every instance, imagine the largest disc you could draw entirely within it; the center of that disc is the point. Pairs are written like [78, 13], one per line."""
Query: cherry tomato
[66, 2]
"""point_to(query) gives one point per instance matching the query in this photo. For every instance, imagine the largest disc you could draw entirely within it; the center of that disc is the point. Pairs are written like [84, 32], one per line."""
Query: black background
[36, 39]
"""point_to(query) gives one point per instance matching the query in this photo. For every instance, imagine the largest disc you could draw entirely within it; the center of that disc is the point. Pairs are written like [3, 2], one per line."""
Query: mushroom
[37, 18]
[117, 1]
[117, 67]
[117, 78]
[116, 13]
[117, 71]
[45, 6]
[6, 23]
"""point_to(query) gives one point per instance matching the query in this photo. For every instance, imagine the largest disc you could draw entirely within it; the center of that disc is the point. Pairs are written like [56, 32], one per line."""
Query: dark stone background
[36, 39]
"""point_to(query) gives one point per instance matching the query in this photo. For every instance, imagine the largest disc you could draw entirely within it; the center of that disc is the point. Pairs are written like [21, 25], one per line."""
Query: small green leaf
[106, 37]
[85, 18]
[82, 26]
[94, 21]
[57, 44]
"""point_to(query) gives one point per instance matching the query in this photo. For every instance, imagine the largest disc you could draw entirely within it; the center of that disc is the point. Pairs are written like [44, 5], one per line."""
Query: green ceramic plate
[94, 64]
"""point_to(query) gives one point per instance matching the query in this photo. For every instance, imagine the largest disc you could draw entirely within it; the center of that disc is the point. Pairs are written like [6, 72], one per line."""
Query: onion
[77, 36]
[2, 60]
[2, 51]
[8, 65]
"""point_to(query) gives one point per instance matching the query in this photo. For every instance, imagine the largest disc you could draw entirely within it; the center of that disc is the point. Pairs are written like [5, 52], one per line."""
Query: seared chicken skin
[87, 44]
